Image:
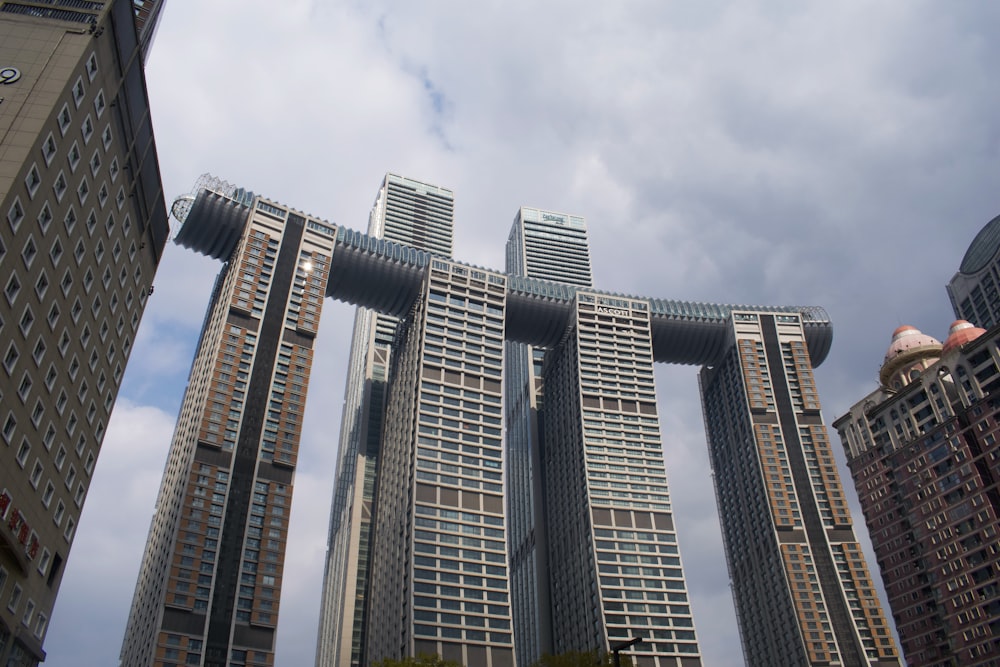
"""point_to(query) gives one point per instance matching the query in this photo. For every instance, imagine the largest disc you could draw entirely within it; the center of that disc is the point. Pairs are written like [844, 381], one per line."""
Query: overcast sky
[841, 154]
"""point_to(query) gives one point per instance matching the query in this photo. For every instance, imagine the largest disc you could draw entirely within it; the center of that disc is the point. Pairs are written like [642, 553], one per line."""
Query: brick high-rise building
[922, 449]
[82, 229]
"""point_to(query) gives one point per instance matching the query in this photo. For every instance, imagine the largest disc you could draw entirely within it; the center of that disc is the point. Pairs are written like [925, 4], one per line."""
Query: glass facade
[440, 487]
[405, 213]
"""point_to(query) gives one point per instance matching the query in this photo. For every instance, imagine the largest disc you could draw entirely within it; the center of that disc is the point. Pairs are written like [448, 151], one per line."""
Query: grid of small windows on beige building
[82, 226]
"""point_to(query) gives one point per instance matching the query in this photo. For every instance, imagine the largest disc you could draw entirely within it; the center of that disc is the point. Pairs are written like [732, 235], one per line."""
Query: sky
[835, 154]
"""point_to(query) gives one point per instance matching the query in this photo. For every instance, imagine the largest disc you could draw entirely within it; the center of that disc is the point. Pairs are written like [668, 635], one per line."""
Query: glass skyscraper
[419, 215]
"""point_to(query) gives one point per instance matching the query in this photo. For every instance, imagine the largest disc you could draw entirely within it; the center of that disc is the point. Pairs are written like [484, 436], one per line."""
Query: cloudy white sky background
[836, 154]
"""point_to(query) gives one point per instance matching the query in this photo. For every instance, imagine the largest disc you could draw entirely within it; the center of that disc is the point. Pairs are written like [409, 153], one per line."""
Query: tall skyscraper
[615, 567]
[437, 563]
[438, 581]
[421, 216]
[922, 449]
[211, 575]
[974, 289]
[553, 246]
[791, 550]
[84, 226]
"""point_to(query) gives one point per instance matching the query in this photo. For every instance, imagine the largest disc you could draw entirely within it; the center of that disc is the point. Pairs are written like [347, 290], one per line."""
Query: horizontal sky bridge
[388, 277]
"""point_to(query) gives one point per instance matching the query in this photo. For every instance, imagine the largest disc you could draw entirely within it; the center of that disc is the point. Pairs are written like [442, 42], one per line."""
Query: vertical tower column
[419, 215]
[547, 245]
[615, 568]
[802, 590]
[211, 575]
[438, 564]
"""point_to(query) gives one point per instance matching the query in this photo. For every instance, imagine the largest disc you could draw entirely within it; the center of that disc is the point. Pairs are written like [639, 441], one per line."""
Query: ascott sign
[613, 311]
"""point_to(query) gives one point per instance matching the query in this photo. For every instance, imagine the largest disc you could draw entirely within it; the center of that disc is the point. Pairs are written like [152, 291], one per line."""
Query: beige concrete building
[82, 229]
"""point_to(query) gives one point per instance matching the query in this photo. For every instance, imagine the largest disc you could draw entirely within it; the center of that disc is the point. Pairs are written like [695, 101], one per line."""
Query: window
[15, 598]
[10, 359]
[59, 513]
[99, 103]
[120, 197]
[50, 489]
[106, 136]
[36, 474]
[15, 214]
[59, 186]
[39, 352]
[24, 388]
[9, 426]
[79, 92]
[42, 284]
[92, 66]
[102, 195]
[29, 252]
[22, 452]
[27, 319]
[70, 220]
[45, 217]
[95, 163]
[87, 129]
[49, 149]
[32, 181]
[55, 252]
[65, 118]
[12, 289]
[40, 624]
[29, 611]
[113, 169]
[70, 529]
[74, 156]
[50, 380]
[83, 190]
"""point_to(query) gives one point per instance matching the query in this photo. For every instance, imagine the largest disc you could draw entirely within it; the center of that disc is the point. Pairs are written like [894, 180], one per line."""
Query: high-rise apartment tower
[922, 449]
[210, 580]
[83, 229]
[801, 587]
[418, 215]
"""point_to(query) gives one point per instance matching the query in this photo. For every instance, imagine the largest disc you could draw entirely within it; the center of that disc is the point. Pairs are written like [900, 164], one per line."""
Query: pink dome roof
[907, 338]
[960, 333]
[909, 346]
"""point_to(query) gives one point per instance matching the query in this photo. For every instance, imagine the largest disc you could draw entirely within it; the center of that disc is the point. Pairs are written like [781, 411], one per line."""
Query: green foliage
[581, 659]
[423, 660]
